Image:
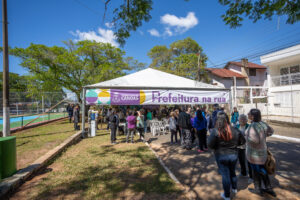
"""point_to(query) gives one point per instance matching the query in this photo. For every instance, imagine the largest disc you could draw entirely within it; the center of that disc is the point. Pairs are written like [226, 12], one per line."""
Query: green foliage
[73, 66]
[180, 59]
[17, 83]
[129, 16]
[257, 9]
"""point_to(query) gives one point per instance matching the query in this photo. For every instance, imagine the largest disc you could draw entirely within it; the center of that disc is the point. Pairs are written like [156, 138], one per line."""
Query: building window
[290, 75]
[252, 72]
[294, 69]
[290, 70]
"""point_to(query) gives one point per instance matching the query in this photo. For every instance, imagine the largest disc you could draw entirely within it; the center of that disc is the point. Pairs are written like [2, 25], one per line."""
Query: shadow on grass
[109, 181]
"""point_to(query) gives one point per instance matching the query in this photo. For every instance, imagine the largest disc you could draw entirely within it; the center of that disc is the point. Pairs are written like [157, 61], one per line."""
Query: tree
[17, 83]
[257, 9]
[131, 14]
[161, 57]
[73, 66]
[184, 58]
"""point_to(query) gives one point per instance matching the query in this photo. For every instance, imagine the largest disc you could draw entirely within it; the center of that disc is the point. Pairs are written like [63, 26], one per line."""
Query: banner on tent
[154, 97]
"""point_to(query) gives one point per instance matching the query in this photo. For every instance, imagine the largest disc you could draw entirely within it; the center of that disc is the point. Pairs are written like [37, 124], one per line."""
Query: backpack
[270, 163]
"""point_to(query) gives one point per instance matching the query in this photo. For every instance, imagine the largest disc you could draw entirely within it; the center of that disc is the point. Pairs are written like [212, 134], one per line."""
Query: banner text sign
[154, 97]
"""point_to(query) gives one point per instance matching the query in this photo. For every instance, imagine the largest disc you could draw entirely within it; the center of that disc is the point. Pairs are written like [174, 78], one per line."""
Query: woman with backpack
[224, 140]
[256, 152]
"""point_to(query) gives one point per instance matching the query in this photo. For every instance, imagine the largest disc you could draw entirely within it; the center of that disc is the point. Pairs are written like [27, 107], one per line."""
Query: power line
[251, 56]
[270, 40]
[87, 7]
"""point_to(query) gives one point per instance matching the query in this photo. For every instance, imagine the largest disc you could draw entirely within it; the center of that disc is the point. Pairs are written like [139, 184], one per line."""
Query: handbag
[270, 163]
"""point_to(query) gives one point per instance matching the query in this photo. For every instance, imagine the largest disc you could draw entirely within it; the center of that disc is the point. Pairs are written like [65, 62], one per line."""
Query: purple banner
[125, 97]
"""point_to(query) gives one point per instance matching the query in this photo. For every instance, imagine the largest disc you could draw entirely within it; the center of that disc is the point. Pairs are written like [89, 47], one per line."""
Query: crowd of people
[231, 139]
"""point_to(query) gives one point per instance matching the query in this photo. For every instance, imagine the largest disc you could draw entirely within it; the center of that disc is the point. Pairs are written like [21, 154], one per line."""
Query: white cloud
[103, 35]
[168, 31]
[179, 24]
[109, 25]
[154, 32]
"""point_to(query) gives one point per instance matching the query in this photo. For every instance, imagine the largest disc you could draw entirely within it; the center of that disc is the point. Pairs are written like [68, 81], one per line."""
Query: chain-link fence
[27, 109]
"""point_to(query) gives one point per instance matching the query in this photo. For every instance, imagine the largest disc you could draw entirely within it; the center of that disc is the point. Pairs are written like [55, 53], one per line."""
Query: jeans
[141, 132]
[242, 161]
[131, 133]
[145, 126]
[113, 131]
[227, 163]
[260, 175]
[173, 134]
[202, 142]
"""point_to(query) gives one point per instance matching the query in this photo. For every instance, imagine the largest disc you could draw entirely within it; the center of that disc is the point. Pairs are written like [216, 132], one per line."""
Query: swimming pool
[19, 119]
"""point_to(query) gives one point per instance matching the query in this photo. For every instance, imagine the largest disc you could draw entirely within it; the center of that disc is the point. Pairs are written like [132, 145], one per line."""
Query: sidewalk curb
[10, 184]
[171, 175]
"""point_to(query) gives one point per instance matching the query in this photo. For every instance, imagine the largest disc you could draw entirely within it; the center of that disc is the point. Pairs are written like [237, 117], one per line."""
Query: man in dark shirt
[184, 123]
[214, 116]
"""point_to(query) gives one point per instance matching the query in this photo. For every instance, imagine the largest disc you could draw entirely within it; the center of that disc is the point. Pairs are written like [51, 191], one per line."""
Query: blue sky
[50, 22]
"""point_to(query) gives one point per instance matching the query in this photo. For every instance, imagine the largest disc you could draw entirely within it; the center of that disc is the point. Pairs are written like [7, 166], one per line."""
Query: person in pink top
[131, 123]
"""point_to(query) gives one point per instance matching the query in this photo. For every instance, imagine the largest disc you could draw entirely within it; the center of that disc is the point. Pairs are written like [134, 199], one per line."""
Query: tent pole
[83, 113]
[230, 100]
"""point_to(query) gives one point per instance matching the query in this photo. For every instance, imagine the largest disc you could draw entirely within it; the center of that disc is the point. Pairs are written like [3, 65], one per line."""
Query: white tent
[152, 78]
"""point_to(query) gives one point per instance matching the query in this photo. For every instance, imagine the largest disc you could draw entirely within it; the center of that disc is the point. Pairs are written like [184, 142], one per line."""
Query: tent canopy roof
[151, 78]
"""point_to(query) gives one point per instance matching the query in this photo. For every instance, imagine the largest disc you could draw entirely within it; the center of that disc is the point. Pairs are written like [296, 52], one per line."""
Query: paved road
[198, 172]
[286, 130]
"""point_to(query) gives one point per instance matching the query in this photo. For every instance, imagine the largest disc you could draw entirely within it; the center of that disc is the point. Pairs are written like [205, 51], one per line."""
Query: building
[284, 81]
[246, 73]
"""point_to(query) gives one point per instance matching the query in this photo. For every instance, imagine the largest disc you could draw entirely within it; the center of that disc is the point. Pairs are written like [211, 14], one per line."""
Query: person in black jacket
[224, 140]
[184, 123]
[113, 125]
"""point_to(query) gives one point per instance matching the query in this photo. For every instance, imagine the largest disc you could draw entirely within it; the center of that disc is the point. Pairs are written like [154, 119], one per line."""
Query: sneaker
[223, 196]
[234, 191]
[250, 180]
[200, 151]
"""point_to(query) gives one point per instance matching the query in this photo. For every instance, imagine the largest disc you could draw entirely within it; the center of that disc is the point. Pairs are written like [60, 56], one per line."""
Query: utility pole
[199, 70]
[6, 121]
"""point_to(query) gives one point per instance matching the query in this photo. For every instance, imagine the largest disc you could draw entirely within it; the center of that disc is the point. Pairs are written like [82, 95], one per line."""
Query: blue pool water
[19, 119]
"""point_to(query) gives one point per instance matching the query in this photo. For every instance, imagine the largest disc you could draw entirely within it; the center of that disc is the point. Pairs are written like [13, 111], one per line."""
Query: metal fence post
[48, 116]
[22, 121]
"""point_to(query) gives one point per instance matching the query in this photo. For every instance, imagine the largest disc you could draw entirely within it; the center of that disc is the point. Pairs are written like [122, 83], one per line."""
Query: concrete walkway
[198, 172]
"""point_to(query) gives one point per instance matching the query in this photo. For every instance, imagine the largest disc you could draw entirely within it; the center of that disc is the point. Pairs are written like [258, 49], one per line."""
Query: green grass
[94, 169]
[33, 143]
[40, 119]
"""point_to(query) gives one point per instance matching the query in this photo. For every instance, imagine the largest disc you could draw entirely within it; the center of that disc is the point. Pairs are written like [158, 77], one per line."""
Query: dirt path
[198, 172]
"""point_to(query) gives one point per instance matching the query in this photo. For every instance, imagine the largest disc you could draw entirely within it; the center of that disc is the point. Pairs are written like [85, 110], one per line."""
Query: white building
[246, 73]
[284, 81]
